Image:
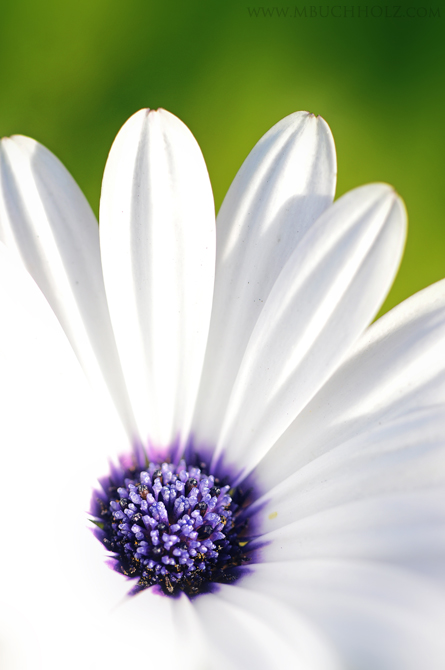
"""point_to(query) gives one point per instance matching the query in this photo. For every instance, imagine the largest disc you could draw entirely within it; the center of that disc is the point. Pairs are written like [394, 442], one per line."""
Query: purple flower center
[173, 526]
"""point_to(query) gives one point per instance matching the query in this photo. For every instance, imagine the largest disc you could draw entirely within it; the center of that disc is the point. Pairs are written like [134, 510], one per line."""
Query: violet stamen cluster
[172, 525]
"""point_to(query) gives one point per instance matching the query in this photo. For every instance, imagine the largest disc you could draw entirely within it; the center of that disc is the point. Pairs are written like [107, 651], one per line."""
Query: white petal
[167, 628]
[397, 366]
[46, 220]
[407, 529]
[48, 432]
[329, 290]
[15, 629]
[38, 366]
[377, 616]
[251, 630]
[57, 592]
[157, 241]
[405, 455]
[285, 183]
[159, 622]
[148, 621]
[191, 641]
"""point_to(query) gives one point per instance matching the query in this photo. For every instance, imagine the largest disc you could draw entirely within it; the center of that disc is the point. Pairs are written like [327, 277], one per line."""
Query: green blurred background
[73, 71]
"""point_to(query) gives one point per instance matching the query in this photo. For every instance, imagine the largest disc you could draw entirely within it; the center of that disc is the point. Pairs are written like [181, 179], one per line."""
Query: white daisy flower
[275, 495]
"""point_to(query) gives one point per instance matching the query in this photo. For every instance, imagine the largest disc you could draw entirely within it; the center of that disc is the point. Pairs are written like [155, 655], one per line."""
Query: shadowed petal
[329, 290]
[253, 630]
[47, 221]
[405, 455]
[376, 615]
[406, 529]
[396, 367]
[285, 183]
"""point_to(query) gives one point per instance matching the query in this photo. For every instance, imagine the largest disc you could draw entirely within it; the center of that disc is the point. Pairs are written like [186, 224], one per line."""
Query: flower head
[276, 465]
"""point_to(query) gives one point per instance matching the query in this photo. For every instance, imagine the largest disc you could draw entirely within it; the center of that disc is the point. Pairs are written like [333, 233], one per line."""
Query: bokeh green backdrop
[72, 71]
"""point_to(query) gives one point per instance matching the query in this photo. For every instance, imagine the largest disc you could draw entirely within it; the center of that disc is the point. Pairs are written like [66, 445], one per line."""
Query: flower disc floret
[172, 525]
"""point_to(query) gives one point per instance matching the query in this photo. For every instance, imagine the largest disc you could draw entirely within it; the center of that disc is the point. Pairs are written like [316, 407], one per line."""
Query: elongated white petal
[376, 615]
[327, 293]
[169, 628]
[193, 651]
[285, 183]
[406, 529]
[49, 429]
[397, 366]
[157, 242]
[46, 220]
[37, 368]
[405, 455]
[55, 586]
[161, 632]
[252, 630]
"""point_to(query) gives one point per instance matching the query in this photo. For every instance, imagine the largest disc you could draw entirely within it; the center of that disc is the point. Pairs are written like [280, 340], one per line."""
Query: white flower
[341, 428]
